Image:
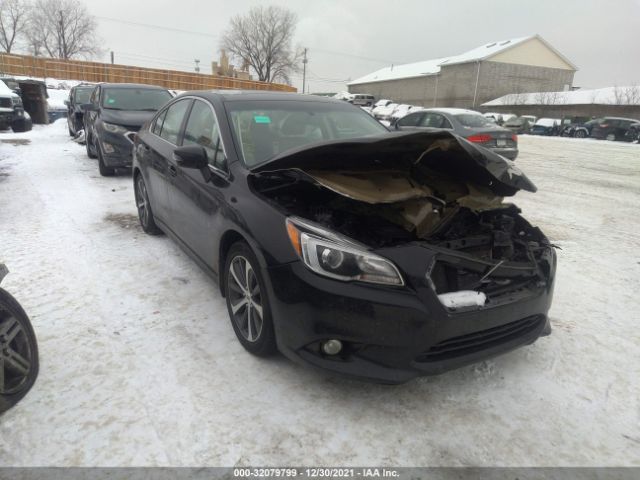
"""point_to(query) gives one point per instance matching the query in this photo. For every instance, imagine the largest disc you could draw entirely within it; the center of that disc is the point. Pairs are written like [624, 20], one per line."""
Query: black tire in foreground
[145, 213]
[247, 301]
[18, 352]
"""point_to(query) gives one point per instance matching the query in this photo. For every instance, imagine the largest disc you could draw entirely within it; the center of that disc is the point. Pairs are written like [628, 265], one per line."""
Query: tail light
[483, 138]
[514, 137]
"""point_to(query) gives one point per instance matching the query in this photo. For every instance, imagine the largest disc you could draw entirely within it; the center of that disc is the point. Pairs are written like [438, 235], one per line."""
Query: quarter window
[156, 128]
[202, 129]
[173, 121]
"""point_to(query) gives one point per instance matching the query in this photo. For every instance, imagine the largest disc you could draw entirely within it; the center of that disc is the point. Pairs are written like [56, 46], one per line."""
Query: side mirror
[191, 156]
[66, 102]
[88, 107]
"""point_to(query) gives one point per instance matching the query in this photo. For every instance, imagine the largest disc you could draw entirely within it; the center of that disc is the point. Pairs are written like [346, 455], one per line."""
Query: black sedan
[468, 124]
[376, 255]
[612, 128]
[78, 99]
[112, 117]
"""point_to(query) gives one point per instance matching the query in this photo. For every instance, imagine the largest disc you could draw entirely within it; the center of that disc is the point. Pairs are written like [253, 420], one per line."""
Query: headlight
[339, 257]
[17, 101]
[110, 127]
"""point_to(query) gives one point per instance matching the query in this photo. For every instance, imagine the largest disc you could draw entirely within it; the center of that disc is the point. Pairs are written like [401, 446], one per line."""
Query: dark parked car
[579, 128]
[18, 350]
[612, 128]
[518, 125]
[468, 124]
[377, 255]
[114, 114]
[546, 126]
[78, 99]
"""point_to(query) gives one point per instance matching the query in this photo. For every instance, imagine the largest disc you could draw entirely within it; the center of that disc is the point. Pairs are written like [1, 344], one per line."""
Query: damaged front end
[419, 191]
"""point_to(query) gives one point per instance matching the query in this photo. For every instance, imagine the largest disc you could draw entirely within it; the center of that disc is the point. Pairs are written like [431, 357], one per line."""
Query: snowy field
[140, 365]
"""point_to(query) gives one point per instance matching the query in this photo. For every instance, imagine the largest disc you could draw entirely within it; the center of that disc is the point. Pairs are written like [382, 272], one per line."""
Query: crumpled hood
[440, 151]
[129, 118]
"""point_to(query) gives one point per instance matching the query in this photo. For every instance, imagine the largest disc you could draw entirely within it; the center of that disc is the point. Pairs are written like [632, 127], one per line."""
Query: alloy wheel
[245, 299]
[15, 355]
[142, 201]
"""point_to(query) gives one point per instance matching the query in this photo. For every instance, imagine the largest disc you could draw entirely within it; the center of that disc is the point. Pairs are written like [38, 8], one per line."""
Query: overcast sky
[350, 38]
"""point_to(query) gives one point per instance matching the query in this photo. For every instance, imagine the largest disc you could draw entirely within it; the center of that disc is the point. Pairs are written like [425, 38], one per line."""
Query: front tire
[145, 214]
[247, 301]
[580, 134]
[102, 167]
[89, 144]
[18, 352]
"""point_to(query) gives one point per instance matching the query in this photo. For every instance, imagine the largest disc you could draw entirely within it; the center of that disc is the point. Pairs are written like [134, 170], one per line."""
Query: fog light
[108, 148]
[332, 347]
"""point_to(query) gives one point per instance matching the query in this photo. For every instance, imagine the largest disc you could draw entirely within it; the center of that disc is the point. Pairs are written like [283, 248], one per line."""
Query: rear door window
[411, 120]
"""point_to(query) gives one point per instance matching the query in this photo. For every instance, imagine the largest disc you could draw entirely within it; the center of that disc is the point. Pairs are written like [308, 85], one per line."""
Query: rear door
[197, 203]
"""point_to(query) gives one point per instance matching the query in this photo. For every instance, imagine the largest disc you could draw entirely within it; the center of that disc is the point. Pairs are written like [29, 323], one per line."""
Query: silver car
[468, 124]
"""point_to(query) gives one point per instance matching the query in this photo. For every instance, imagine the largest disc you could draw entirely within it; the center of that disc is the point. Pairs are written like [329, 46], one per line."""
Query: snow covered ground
[140, 365]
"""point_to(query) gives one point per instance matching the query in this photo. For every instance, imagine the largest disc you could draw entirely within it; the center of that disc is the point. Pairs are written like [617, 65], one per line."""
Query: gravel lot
[140, 365]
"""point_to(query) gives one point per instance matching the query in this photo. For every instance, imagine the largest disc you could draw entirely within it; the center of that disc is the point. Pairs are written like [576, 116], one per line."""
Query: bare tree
[13, 22]
[626, 95]
[262, 39]
[62, 29]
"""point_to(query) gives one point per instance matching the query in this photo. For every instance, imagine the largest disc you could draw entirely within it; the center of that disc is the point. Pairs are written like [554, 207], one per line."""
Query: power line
[158, 27]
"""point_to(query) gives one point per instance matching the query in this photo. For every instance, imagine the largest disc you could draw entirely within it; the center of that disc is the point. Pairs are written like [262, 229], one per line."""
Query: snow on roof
[454, 111]
[598, 96]
[432, 67]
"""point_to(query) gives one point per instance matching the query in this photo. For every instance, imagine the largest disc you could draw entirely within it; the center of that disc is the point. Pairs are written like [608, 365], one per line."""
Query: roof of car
[132, 85]
[257, 95]
[453, 111]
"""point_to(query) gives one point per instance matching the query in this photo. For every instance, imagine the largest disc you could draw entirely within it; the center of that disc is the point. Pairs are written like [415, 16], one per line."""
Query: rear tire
[19, 355]
[247, 301]
[580, 134]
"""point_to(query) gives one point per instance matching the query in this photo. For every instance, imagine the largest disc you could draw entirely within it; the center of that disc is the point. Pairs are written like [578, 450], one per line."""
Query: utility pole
[197, 65]
[304, 70]
[112, 57]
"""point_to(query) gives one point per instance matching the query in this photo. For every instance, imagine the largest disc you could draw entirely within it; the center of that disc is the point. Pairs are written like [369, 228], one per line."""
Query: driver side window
[202, 129]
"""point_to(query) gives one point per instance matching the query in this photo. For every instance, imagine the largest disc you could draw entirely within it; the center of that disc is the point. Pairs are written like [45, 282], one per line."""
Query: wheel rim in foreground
[245, 299]
[15, 355]
[142, 202]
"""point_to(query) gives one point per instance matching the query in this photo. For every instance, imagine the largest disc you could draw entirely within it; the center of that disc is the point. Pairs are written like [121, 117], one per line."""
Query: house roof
[432, 67]
[596, 96]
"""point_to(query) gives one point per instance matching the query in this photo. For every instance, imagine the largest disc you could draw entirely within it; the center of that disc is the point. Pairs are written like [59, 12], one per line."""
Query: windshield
[473, 120]
[135, 98]
[265, 129]
[82, 95]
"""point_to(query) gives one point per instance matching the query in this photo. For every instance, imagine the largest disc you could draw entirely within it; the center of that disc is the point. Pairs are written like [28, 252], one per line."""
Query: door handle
[173, 171]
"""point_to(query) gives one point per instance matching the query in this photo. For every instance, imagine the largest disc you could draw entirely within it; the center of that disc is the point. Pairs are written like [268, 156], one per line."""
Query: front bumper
[391, 335]
[117, 149]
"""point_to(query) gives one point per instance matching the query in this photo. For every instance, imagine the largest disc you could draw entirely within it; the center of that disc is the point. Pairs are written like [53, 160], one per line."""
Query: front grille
[478, 341]
[6, 103]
